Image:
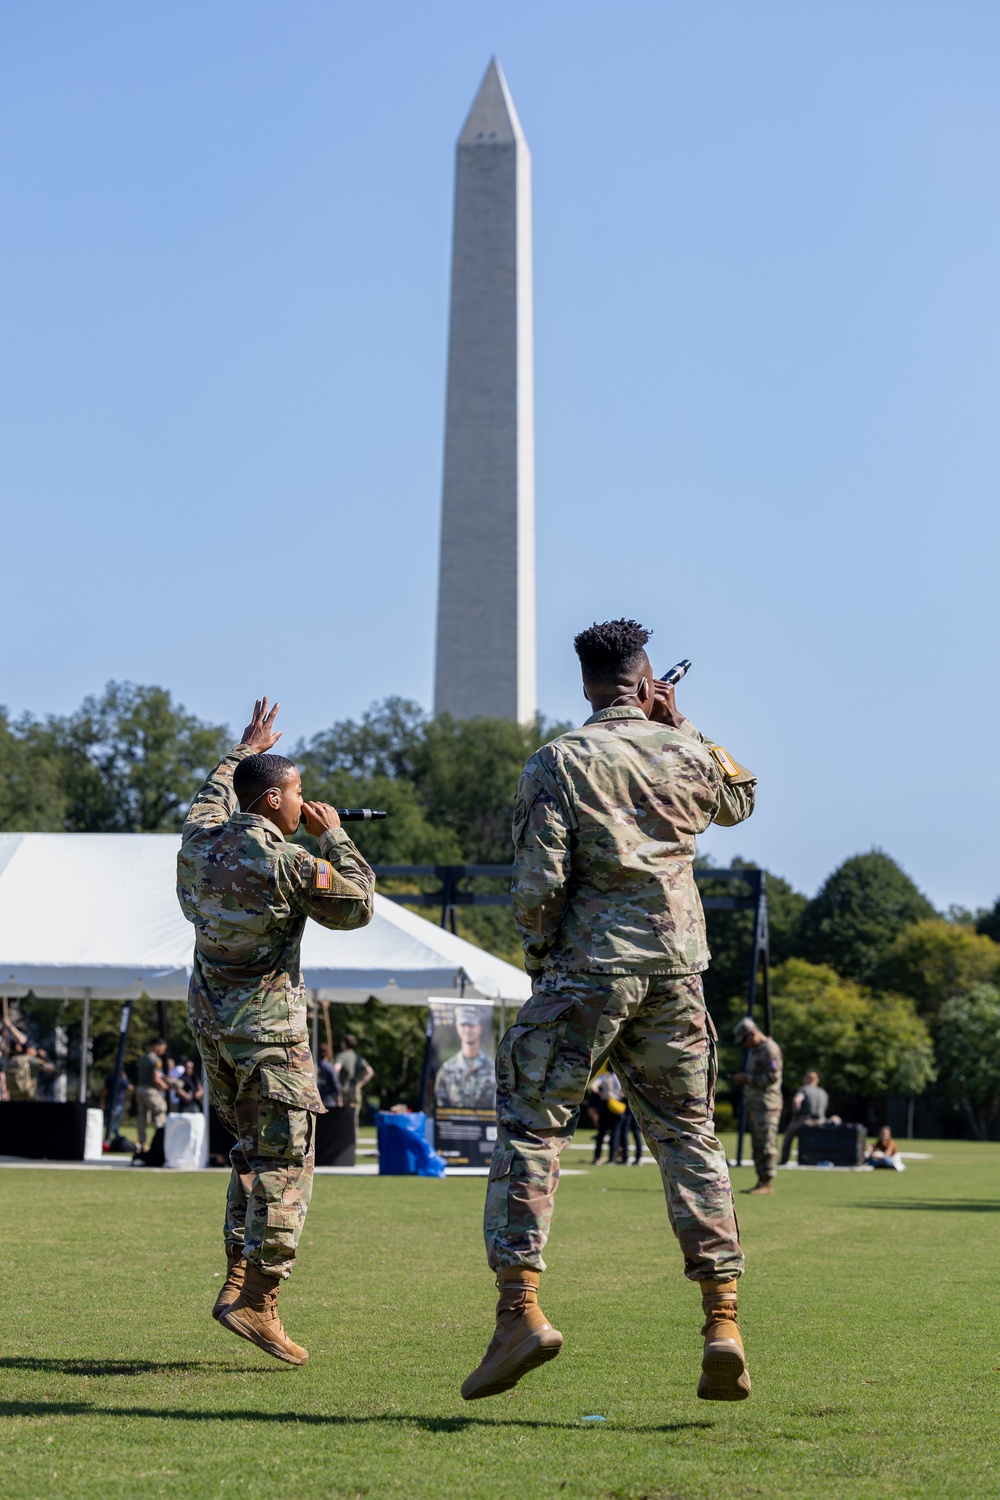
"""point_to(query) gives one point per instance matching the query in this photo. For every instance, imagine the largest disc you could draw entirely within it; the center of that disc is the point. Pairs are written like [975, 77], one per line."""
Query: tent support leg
[85, 1047]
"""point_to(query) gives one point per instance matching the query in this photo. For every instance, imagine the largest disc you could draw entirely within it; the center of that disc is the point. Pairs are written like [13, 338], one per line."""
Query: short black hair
[609, 651]
[257, 774]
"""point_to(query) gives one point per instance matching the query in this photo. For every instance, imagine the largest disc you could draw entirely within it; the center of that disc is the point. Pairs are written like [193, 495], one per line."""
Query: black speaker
[841, 1145]
[336, 1137]
[154, 1157]
[43, 1131]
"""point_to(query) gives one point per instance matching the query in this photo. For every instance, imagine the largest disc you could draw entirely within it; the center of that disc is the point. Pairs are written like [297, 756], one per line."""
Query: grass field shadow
[307, 1419]
[113, 1367]
[930, 1205]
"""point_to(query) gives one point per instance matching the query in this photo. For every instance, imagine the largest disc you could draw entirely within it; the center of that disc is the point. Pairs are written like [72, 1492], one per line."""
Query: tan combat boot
[233, 1284]
[761, 1186]
[523, 1338]
[724, 1365]
[254, 1316]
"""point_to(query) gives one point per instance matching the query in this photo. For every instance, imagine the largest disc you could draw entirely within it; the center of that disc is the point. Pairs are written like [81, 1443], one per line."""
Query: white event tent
[95, 915]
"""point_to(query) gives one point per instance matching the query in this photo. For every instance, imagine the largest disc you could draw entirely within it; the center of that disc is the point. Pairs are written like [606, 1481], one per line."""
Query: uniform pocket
[526, 1054]
[500, 1165]
[295, 1087]
[280, 1216]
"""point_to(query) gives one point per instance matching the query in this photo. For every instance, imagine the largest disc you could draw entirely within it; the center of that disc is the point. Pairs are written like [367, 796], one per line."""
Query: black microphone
[352, 815]
[676, 673]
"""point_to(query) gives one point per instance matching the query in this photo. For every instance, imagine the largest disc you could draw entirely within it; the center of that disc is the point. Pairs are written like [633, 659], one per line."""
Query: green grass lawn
[869, 1311]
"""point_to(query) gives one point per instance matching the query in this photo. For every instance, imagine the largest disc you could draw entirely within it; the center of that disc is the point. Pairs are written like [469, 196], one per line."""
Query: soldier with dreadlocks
[614, 940]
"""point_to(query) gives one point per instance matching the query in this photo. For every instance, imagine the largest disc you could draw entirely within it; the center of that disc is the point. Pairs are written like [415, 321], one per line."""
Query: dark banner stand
[42, 1131]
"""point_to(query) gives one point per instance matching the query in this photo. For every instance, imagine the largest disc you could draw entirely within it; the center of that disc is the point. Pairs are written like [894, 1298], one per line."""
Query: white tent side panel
[97, 913]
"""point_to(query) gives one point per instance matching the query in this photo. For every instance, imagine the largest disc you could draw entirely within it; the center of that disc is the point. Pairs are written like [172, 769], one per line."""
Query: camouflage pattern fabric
[465, 1083]
[22, 1078]
[763, 1101]
[151, 1108]
[610, 812]
[267, 1097]
[763, 1115]
[248, 893]
[763, 1070]
[659, 1038]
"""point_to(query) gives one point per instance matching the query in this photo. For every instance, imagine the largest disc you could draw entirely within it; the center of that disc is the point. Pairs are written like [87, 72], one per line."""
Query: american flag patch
[324, 875]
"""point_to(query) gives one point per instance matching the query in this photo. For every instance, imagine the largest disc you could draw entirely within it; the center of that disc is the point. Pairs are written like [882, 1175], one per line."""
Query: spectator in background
[113, 1124]
[809, 1107]
[327, 1080]
[353, 1074]
[23, 1070]
[885, 1152]
[626, 1125]
[604, 1120]
[9, 1037]
[151, 1093]
[186, 1093]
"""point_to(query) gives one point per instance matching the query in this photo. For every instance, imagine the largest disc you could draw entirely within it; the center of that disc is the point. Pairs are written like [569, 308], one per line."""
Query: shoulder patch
[324, 875]
[726, 762]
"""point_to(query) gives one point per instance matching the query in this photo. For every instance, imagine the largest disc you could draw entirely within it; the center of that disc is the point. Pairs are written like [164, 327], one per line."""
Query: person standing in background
[353, 1075]
[762, 1081]
[327, 1080]
[151, 1092]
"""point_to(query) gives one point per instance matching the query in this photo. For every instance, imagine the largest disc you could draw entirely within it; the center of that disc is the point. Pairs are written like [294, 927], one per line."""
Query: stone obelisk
[486, 591]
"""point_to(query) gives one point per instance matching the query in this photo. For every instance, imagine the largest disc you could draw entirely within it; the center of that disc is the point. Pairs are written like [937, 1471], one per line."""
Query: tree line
[872, 986]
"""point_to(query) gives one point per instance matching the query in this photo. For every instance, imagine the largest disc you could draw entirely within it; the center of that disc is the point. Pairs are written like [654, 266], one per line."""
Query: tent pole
[84, 1046]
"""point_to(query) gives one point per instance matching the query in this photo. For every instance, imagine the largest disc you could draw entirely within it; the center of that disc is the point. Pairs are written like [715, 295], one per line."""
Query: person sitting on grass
[885, 1152]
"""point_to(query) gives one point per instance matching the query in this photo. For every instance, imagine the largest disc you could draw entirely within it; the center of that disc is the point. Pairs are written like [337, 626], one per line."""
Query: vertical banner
[463, 1081]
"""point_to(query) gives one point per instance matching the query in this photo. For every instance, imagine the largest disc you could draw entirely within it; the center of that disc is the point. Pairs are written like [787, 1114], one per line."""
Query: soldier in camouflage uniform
[761, 1080]
[248, 893]
[467, 1080]
[614, 940]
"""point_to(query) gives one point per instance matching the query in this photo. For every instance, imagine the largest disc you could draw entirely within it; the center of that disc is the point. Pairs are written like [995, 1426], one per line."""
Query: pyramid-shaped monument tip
[492, 120]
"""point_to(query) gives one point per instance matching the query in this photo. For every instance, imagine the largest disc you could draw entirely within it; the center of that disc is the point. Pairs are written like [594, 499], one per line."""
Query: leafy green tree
[129, 761]
[817, 1019]
[934, 960]
[988, 922]
[31, 798]
[859, 912]
[895, 1048]
[967, 1037]
[730, 934]
[859, 1043]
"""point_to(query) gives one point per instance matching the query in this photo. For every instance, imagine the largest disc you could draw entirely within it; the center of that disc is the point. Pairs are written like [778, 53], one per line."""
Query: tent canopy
[96, 914]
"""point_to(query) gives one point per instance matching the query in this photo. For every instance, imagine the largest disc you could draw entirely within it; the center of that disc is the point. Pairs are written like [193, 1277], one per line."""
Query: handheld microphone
[675, 674]
[352, 815]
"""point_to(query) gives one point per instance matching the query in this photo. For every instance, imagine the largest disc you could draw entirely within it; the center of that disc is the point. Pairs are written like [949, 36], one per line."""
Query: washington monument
[486, 592]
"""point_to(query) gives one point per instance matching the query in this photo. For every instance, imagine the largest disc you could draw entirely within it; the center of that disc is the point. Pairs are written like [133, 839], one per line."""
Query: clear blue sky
[767, 241]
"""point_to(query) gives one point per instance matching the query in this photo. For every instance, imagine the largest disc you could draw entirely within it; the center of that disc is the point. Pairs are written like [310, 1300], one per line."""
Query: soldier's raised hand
[260, 734]
[664, 710]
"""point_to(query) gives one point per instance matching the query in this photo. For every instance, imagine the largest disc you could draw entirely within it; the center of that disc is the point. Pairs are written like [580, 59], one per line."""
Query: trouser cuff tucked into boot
[233, 1284]
[523, 1338]
[254, 1316]
[724, 1367]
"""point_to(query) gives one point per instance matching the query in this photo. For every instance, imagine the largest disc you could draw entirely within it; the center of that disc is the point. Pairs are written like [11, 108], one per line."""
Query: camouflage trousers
[267, 1097]
[658, 1037]
[763, 1116]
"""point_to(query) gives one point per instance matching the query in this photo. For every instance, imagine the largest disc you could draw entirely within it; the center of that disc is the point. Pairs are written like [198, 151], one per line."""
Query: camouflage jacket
[763, 1072]
[604, 843]
[459, 1086]
[248, 893]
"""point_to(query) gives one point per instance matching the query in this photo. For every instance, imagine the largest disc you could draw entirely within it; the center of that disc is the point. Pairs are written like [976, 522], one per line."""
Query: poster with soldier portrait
[463, 1080]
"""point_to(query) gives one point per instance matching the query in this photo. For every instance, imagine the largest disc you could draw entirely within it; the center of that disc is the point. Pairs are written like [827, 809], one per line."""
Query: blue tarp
[403, 1149]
